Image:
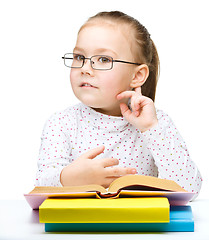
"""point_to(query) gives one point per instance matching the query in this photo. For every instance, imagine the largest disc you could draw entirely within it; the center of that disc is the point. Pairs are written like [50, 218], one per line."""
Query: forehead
[103, 36]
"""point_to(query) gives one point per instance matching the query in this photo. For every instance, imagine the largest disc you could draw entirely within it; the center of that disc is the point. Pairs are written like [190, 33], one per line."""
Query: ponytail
[149, 87]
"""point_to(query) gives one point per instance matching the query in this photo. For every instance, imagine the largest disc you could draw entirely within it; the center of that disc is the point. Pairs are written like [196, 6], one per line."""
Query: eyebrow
[100, 50]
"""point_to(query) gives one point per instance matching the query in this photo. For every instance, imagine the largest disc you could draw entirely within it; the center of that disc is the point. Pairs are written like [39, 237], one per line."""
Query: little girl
[115, 130]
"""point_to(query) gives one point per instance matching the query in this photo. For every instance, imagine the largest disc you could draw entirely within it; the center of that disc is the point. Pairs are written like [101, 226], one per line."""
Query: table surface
[19, 221]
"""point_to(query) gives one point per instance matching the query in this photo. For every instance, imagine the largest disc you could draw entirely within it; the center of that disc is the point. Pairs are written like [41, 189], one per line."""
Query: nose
[87, 68]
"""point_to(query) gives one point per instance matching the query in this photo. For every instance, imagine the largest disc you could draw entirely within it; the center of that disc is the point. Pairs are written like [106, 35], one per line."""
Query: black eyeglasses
[98, 62]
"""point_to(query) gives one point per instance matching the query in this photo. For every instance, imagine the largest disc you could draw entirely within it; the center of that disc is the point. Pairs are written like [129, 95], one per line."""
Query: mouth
[87, 85]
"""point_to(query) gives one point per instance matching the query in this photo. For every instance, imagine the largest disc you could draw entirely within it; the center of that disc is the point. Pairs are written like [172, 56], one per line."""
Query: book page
[140, 182]
[84, 188]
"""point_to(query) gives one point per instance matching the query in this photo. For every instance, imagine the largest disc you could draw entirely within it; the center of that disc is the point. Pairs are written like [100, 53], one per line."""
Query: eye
[104, 59]
[78, 57]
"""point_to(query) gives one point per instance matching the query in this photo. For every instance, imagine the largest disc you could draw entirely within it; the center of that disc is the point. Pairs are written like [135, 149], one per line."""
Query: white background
[34, 82]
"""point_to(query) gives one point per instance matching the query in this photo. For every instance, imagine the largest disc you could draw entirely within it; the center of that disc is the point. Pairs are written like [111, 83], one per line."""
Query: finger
[108, 181]
[93, 152]
[125, 94]
[119, 171]
[126, 112]
[135, 104]
[138, 90]
[108, 162]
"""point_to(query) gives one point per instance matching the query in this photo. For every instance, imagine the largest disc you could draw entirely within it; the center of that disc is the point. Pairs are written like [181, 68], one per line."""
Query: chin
[92, 103]
[87, 99]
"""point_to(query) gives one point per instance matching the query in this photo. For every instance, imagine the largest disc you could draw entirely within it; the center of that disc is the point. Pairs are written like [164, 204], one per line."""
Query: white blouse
[159, 152]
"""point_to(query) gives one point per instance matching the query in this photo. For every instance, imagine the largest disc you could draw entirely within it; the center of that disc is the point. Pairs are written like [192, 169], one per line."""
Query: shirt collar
[103, 122]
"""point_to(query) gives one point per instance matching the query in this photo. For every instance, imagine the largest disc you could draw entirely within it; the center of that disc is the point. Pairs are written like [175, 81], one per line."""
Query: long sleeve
[171, 155]
[54, 152]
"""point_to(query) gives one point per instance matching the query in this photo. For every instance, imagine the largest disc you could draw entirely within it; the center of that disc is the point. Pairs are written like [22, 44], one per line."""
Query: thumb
[93, 152]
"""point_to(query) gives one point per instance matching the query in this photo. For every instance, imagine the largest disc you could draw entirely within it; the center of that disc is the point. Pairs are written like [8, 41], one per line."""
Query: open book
[126, 186]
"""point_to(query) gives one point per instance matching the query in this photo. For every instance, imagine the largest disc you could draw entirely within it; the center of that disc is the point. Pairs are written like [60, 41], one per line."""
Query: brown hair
[146, 50]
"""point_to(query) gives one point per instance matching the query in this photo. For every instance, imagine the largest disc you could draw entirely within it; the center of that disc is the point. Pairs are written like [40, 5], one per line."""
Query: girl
[115, 130]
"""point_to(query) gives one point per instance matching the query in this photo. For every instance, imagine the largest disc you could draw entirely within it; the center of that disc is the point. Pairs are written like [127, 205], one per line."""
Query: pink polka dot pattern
[160, 151]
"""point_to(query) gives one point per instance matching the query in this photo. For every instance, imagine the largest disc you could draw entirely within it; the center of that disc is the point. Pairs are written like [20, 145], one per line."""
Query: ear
[140, 76]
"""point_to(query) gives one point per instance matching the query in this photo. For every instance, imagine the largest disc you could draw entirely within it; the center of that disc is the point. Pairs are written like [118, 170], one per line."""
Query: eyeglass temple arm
[126, 62]
[66, 58]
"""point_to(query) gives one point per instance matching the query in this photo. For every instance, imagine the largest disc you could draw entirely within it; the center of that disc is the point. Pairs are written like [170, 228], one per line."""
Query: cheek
[110, 83]
[73, 77]
[117, 82]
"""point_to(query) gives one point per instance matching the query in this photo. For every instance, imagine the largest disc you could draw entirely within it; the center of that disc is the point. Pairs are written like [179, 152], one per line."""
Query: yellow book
[119, 210]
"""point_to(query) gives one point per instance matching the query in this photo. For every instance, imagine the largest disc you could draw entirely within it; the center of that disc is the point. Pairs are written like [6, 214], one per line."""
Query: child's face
[107, 84]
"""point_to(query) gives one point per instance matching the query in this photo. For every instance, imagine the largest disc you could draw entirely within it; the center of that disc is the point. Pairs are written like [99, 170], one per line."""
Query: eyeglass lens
[101, 62]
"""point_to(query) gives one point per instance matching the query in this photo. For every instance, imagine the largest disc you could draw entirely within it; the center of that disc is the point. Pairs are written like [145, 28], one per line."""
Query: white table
[19, 221]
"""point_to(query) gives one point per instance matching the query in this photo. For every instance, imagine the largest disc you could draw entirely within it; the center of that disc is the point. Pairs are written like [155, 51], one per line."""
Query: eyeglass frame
[113, 60]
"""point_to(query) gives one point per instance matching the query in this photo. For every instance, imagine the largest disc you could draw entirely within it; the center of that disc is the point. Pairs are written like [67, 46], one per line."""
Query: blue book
[181, 220]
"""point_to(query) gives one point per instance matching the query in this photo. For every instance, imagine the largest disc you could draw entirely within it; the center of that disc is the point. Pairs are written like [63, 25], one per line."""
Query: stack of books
[133, 203]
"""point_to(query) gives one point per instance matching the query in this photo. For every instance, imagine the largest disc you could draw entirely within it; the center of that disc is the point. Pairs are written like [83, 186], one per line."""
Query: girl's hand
[143, 115]
[86, 170]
